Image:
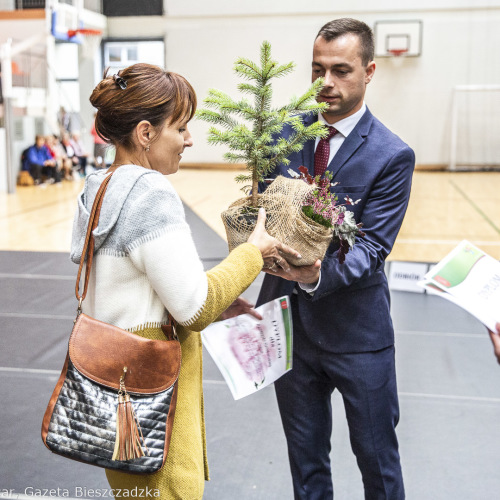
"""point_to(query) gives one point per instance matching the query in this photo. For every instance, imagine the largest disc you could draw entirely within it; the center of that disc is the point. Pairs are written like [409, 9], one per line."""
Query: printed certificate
[252, 353]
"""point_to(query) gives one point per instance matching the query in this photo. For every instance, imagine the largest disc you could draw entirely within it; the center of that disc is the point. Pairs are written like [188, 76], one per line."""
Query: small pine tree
[252, 141]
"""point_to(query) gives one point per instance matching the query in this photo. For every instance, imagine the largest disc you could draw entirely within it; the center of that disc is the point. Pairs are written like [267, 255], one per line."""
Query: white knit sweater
[145, 258]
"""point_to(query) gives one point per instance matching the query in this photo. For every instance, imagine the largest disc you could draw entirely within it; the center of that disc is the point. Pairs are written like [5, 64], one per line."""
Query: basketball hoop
[397, 55]
[90, 40]
[397, 52]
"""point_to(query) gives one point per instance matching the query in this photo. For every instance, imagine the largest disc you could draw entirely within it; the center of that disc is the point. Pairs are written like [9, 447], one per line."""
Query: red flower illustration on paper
[252, 352]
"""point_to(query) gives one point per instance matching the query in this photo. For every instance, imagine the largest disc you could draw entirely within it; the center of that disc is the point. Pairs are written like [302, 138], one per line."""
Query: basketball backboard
[65, 19]
[396, 38]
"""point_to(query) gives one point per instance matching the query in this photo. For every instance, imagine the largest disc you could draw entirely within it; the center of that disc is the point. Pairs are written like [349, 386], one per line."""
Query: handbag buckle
[78, 309]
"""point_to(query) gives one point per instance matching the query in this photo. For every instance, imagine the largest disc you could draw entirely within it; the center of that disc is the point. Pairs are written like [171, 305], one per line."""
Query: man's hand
[240, 306]
[304, 274]
[495, 339]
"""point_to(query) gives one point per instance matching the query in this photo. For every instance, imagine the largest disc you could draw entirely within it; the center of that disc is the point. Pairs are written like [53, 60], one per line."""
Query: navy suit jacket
[350, 310]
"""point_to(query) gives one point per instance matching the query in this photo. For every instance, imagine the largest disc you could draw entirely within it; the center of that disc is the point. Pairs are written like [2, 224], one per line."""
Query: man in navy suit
[343, 333]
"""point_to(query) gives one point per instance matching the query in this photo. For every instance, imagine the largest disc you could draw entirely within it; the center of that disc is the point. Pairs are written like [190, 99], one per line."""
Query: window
[114, 8]
[30, 4]
[119, 54]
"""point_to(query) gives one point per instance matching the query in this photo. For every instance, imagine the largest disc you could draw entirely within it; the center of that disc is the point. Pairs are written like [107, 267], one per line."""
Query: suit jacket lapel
[352, 142]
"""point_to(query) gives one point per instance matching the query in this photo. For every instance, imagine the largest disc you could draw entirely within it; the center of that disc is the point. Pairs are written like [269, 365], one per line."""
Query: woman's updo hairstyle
[140, 92]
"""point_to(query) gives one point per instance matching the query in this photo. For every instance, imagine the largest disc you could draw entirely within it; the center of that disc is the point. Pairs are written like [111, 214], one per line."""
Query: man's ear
[369, 72]
[144, 133]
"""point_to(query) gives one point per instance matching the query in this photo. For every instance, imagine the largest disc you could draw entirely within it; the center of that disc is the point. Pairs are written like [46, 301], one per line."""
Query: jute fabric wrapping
[283, 201]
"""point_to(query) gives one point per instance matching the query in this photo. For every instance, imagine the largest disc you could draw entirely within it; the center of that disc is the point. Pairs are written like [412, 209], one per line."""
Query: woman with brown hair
[145, 260]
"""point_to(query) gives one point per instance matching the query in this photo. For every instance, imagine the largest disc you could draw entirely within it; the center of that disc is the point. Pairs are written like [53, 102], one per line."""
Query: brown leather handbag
[114, 403]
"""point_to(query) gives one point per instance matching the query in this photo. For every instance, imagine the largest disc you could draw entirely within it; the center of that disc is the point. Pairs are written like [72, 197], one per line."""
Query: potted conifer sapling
[251, 131]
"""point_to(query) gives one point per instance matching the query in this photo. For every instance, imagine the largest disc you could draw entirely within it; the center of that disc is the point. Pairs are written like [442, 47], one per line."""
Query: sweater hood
[117, 192]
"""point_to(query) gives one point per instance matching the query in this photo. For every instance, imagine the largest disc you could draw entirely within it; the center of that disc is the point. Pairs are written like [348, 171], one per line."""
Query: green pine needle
[251, 141]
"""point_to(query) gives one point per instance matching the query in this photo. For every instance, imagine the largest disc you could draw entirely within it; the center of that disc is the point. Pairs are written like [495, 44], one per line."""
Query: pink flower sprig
[323, 207]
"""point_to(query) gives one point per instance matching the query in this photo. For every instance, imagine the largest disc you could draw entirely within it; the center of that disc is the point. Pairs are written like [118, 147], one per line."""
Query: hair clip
[120, 82]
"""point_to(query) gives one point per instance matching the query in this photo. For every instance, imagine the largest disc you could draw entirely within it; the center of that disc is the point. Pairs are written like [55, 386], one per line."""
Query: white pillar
[6, 61]
[52, 100]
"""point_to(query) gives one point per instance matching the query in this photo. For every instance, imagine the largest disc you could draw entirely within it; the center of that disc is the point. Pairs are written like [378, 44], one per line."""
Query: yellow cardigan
[186, 467]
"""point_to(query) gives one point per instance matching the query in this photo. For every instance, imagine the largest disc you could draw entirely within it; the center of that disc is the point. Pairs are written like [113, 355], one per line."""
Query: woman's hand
[273, 251]
[240, 306]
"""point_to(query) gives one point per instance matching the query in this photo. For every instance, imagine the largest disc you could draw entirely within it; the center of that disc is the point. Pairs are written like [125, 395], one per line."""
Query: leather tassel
[128, 431]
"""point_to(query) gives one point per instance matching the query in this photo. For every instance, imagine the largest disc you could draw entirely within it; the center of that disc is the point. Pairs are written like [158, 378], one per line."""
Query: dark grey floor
[448, 382]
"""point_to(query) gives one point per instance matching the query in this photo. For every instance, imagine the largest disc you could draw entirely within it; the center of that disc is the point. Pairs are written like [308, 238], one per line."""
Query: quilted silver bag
[114, 403]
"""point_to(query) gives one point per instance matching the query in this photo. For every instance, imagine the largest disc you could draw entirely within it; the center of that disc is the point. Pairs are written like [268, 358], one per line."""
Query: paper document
[469, 278]
[251, 353]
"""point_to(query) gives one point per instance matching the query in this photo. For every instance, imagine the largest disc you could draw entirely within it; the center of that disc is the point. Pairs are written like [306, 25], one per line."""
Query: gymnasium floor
[448, 378]
[444, 209]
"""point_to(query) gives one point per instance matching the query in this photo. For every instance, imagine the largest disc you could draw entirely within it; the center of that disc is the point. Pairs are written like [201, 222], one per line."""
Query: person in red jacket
[99, 148]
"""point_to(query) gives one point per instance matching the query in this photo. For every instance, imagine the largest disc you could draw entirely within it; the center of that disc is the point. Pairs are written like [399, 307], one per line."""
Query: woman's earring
[147, 148]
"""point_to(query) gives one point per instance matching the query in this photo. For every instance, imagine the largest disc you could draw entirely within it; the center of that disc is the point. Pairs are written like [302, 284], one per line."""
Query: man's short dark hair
[338, 27]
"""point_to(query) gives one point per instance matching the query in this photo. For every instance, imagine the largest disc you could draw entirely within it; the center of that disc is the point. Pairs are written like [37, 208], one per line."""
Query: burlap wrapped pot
[283, 201]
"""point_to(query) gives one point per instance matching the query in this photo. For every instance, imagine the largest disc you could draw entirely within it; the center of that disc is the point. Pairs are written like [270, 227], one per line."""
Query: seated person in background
[59, 155]
[40, 162]
[73, 160]
[80, 153]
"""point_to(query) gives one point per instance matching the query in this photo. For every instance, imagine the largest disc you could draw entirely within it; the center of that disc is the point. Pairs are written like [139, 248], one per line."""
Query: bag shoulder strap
[88, 247]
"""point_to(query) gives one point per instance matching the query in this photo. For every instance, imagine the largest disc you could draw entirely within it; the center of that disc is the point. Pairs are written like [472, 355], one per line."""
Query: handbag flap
[100, 351]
